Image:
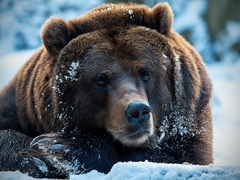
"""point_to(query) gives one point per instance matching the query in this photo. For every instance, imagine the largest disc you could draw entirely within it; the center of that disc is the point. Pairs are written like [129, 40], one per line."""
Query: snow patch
[164, 61]
[148, 170]
[130, 12]
[72, 71]
[71, 167]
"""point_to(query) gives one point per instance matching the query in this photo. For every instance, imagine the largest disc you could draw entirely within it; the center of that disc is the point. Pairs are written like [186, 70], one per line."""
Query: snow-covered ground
[226, 125]
[147, 170]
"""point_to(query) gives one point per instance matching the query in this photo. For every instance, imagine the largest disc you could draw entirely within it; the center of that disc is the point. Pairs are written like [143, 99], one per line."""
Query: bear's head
[116, 68]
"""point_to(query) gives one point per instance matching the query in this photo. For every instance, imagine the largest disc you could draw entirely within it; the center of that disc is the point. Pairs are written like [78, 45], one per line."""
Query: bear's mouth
[139, 133]
[134, 136]
[136, 139]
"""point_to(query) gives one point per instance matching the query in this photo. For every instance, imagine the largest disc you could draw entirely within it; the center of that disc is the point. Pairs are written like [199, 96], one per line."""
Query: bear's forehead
[116, 44]
[108, 57]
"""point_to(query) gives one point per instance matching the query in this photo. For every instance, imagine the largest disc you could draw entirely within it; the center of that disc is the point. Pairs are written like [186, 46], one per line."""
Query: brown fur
[56, 90]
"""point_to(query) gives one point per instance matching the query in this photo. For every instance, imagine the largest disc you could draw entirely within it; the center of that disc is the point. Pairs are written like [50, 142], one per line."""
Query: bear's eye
[101, 80]
[144, 74]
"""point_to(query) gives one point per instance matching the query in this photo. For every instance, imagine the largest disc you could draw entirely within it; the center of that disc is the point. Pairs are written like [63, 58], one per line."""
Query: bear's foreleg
[16, 155]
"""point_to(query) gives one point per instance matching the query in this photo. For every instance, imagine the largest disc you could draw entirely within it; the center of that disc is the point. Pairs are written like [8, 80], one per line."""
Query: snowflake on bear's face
[130, 12]
[72, 71]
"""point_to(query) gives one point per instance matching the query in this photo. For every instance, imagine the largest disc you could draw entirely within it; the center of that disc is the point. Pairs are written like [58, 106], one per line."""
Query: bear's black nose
[137, 113]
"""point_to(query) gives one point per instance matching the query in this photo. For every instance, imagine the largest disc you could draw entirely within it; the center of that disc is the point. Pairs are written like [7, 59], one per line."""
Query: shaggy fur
[77, 96]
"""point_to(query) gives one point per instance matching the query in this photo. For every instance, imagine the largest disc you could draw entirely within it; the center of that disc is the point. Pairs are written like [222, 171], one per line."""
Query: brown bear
[116, 84]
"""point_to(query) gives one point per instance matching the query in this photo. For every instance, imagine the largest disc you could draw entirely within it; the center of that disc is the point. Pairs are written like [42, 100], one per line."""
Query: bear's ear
[163, 16]
[55, 35]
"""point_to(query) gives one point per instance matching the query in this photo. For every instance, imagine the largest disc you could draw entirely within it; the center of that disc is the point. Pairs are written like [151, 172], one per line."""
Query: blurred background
[212, 26]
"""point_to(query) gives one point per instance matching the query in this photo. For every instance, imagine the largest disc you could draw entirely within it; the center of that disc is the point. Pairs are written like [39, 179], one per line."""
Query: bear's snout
[130, 120]
[137, 113]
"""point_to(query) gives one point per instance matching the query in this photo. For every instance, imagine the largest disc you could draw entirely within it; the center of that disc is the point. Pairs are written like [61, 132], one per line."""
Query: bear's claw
[45, 139]
[39, 139]
[56, 148]
[40, 164]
